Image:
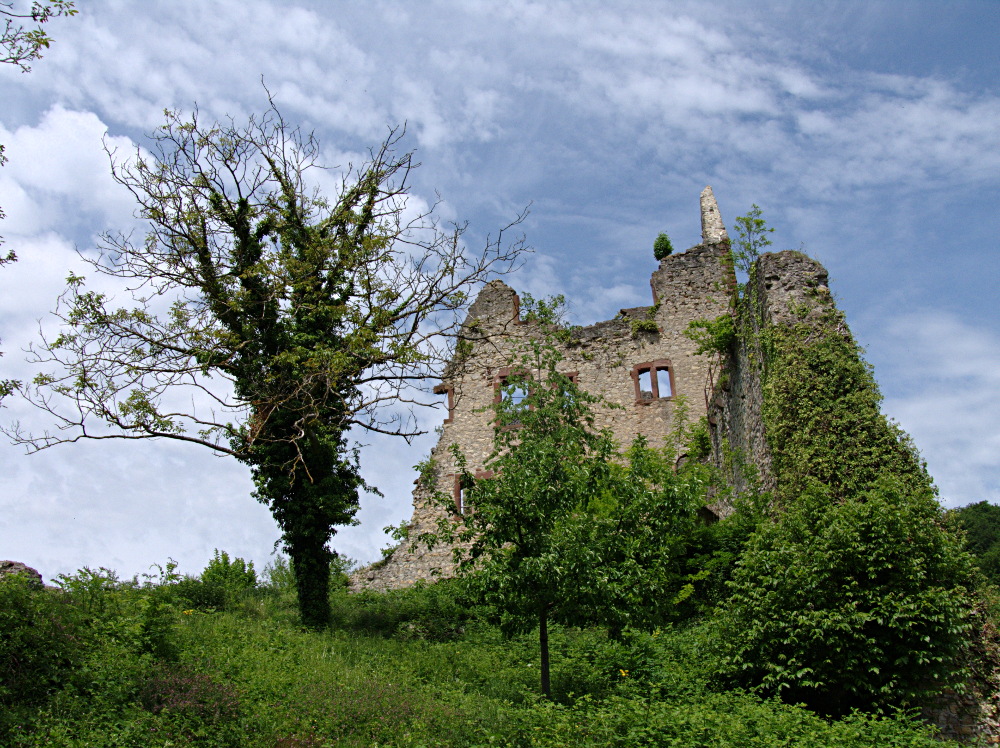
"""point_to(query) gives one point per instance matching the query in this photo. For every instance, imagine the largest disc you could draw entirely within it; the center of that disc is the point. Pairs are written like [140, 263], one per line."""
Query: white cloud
[59, 172]
[947, 376]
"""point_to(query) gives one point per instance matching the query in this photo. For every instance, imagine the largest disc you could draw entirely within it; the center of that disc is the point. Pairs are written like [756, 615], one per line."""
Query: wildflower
[624, 673]
[188, 612]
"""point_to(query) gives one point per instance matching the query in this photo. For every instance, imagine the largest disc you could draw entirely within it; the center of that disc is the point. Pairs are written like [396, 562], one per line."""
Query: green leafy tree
[662, 247]
[752, 239]
[564, 532]
[856, 604]
[981, 523]
[265, 320]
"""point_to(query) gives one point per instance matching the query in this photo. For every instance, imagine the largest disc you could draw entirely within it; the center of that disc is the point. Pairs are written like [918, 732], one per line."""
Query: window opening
[443, 389]
[517, 395]
[461, 494]
[653, 381]
[663, 381]
[645, 385]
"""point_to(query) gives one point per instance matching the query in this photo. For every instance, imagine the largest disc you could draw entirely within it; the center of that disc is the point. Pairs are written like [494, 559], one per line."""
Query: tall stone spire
[712, 230]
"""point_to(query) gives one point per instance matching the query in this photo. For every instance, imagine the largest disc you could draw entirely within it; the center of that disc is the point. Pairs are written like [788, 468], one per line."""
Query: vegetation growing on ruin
[662, 246]
[852, 593]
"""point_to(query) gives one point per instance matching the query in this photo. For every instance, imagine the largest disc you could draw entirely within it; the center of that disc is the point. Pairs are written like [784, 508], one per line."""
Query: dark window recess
[653, 381]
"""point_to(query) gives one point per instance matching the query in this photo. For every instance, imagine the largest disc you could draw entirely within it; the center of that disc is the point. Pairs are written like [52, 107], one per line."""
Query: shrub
[435, 612]
[236, 576]
[981, 523]
[859, 604]
[662, 246]
[195, 593]
[40, 641]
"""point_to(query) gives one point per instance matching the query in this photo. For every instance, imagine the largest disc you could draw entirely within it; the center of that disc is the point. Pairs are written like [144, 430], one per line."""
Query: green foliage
[18, 45]
[700, 441]
[648, 324]
[853, 593]
[436, 612]
[853, 604]
[547, 311]
[981, 525]
[713, 335]
[191, 707]
[236, 576]
[662, 246]
[39, 641]
[752, 239]
[822, 415]
[222, 585]
[564, 532]
[415, 668]
[426, 471]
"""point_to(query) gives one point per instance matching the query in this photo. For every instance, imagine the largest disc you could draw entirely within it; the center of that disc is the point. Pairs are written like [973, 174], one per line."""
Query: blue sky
[868, 132]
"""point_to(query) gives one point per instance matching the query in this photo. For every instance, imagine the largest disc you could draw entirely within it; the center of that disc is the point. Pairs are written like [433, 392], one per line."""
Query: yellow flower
[188, 612]
[624, 673]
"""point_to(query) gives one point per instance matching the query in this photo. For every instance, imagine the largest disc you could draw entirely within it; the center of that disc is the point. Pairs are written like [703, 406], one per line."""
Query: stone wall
[606, 359]
[790, 288]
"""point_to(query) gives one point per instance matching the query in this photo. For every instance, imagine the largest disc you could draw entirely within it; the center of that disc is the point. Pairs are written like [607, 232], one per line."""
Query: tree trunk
[311, 564]
[543, 642]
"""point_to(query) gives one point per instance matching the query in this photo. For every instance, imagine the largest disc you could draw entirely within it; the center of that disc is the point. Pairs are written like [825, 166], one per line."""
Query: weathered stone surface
[712, 228]
[16, 567]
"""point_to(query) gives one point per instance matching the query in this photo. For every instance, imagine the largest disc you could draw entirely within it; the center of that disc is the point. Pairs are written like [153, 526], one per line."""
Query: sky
[867, 132]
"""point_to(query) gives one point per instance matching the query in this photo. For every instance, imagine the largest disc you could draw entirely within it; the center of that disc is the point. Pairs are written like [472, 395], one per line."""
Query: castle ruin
[641, 360]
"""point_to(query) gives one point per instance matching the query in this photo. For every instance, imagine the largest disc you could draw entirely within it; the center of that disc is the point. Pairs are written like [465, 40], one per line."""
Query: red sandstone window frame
[459, 487]
[444, 389]
[501, 379]
[653, 367]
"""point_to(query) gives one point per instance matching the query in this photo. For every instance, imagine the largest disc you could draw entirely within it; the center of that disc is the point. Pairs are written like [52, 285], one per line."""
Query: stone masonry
[646, 372]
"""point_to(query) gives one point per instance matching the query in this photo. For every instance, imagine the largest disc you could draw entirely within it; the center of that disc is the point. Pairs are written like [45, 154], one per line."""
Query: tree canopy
[21, 46]
[264, 319]
[565, 530]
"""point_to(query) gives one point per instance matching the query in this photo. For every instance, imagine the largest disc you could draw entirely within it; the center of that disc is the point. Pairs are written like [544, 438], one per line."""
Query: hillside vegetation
[173, 661]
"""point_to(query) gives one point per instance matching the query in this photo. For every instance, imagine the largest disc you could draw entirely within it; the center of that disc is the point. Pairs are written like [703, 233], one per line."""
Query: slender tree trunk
[543, 642]
[311, 564]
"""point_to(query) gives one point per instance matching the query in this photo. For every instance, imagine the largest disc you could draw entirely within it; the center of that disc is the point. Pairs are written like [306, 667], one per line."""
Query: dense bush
[858, 604]
[40, 641]
[262, 682]
[436, 612]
